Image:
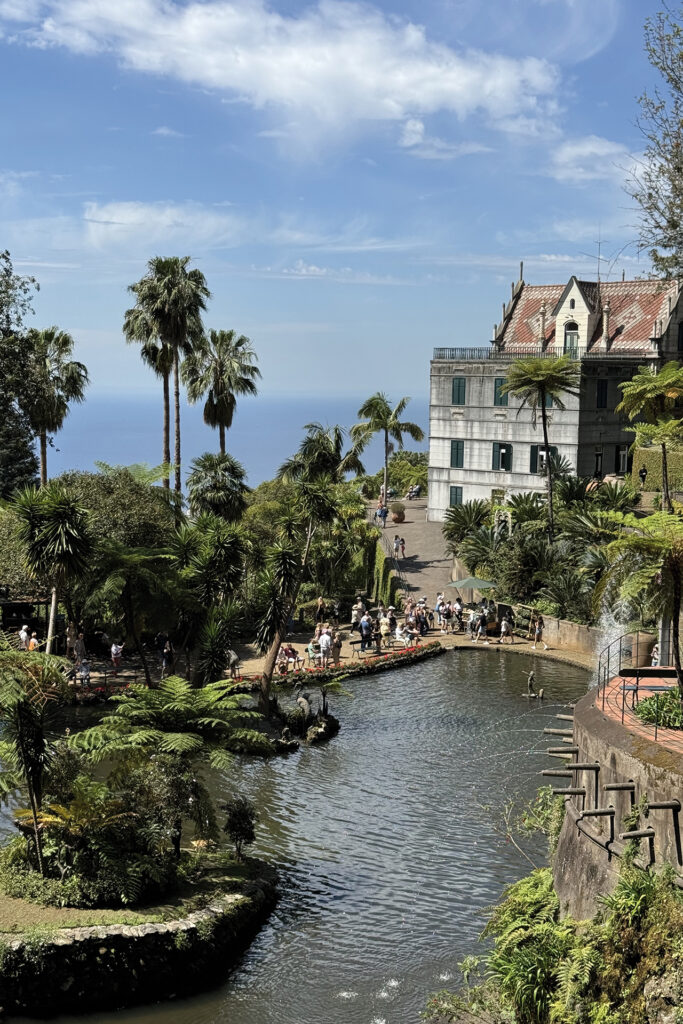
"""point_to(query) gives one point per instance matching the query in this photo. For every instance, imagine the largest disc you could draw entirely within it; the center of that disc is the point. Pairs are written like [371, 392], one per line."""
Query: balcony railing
[492, 354]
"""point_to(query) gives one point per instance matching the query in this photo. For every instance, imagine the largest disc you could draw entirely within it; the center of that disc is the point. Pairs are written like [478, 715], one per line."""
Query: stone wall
[562, 633]
[586, 862]
[77, 970]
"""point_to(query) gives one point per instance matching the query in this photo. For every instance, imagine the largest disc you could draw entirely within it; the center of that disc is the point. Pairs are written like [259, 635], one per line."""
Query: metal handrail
[624, 653]
[493, 354]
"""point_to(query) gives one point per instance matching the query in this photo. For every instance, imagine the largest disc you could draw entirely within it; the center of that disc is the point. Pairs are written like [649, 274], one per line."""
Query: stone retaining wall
[586, 863]
[76, 970]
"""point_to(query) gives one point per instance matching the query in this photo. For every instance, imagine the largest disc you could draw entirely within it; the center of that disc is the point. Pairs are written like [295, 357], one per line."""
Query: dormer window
[571, 339]
[572, 303]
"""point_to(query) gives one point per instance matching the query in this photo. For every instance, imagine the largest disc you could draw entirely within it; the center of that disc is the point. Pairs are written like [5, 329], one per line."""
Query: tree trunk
[167, 429]
[271, 656]
[51, 624]
[221, 437]
[666, 497]
[548, 471]
[176, 401]
[675, 625]
[36, 829]
[386, 469]
[43, 458]
[130, 621]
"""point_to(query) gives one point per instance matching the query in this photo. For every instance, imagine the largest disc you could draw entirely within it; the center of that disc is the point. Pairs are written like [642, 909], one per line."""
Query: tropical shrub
[665, 710]
[462, 520]
[240, 823]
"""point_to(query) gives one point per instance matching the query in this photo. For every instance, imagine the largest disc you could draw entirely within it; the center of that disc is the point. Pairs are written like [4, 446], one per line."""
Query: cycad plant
[461, 521]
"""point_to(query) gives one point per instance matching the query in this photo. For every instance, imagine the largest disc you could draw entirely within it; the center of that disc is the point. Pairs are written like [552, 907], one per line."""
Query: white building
[481, 445]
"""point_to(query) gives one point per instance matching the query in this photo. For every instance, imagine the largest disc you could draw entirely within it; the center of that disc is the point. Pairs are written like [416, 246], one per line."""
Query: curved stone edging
[76, 970]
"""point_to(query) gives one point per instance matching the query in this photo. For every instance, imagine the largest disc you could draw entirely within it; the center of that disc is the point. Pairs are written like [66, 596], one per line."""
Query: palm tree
[216, 485]
[56, 380]
[539, 380]
[653, 394]
[648, 557]
[220, 367]
[57, 546]
[321, 453]
[380, 418]
[169, 302]
[138, 327]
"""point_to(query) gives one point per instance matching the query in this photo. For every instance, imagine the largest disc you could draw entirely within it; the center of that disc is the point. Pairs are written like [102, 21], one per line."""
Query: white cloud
[154, 224]
[168, 133]
[336, 64]
[428, 147]
[591, 158]
[12, 182]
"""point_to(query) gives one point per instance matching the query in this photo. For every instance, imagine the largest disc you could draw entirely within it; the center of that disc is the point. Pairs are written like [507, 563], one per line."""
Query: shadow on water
[387, 843]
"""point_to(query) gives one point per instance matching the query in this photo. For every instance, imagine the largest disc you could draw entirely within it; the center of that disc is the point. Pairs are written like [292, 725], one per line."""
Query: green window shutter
[498, 397]
[507, 458]
[459, 391]
[548, 401]
[457, 454]
[533, 459]
[456, 495]
[495, 459]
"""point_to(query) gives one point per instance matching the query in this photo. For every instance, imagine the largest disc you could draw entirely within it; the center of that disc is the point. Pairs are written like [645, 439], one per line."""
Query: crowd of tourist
[381, 627]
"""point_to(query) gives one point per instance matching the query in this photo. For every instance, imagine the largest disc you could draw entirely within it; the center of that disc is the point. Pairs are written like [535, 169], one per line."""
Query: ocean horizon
[266, 430]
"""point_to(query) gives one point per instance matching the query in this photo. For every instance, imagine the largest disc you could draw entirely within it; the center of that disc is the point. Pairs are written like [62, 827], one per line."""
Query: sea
[125, 429]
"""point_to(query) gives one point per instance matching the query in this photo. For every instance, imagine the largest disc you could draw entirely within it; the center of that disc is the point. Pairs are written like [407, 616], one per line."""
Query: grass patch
[210, 879]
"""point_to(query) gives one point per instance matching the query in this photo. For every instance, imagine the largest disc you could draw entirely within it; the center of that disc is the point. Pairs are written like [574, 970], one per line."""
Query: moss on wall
[76, 970]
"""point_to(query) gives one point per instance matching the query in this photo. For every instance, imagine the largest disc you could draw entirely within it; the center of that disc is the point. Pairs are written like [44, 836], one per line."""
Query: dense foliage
[543, 968]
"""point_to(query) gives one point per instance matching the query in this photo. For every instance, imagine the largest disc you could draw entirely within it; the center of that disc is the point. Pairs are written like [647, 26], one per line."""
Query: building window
[458, 396]
[621, 460]
[572, 303]
[537, 457]
[597, 464]
[548, 401]
[456, 496]
[502, 457]
[571, 339]
[680, 337]
[457, 454]
[498, 397]
[601, 395]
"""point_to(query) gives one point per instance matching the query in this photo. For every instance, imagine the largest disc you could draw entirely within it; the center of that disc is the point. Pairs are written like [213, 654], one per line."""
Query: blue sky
[357, 181]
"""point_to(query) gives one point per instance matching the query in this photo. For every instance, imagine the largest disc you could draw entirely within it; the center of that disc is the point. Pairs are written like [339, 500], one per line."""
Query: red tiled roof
[634, 307]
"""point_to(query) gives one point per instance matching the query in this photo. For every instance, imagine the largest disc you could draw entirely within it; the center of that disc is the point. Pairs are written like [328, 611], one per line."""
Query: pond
[389, 843]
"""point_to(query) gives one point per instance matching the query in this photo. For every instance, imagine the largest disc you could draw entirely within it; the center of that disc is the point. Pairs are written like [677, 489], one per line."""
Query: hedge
[385, 583]
[651, 458]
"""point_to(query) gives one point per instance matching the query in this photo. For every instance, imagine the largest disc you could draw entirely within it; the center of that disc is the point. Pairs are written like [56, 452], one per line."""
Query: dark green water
[387, 843]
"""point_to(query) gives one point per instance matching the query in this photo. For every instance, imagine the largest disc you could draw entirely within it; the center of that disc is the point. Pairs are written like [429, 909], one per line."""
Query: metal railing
[630, 650]
[493, 354]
